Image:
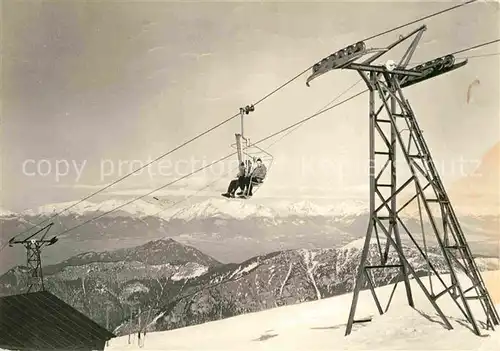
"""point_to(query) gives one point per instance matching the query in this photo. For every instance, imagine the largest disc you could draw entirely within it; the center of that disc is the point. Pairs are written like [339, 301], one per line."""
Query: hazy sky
[90, 84]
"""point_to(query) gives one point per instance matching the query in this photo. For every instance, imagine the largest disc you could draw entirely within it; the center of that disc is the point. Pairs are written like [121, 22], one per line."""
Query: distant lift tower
[33, 252]
[385, 83]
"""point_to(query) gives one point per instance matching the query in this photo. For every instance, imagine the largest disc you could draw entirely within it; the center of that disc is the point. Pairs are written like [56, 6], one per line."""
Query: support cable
[147, 194]
[476, 46]
[258, 142]
[300, 125]
[209, 165]
[236, 115]
[310, 117]
[421, 19]
[162, 156]
[478, 56]
[131, 173]
[194, 194]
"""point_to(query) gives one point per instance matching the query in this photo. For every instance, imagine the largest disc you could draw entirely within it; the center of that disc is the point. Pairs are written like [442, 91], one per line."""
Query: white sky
[88, 82]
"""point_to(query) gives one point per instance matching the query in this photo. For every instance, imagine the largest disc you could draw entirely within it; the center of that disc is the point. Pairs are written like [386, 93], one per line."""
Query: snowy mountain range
[175, 285]
[230, 230]
[5, 213]
[214, 207]
[223, 208]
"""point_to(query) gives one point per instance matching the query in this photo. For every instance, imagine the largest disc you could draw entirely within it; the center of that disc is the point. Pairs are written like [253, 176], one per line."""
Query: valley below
[135, 271]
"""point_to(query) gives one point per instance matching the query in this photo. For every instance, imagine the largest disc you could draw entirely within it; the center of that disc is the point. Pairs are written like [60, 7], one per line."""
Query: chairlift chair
[247, 151]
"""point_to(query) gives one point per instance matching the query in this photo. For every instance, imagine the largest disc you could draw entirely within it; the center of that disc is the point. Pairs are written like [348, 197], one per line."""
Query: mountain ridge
[223, 208]
[174, 293]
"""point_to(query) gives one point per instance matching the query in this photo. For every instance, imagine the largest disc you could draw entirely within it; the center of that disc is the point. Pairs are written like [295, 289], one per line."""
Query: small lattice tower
[34, 248]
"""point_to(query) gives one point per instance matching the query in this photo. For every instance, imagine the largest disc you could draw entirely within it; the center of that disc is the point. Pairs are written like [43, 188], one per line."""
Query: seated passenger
[257, 176]
[238, 182]
[248, 172]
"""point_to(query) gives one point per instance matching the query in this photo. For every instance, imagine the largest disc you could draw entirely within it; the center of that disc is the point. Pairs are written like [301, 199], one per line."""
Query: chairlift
[249, 154]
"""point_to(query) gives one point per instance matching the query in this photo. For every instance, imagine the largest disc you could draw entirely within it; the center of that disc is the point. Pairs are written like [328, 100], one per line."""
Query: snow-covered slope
[320, 325]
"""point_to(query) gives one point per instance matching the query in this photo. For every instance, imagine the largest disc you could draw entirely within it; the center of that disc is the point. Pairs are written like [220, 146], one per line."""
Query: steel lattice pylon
[34, 263]
[390, 114]
[33, 257]
[385, 218]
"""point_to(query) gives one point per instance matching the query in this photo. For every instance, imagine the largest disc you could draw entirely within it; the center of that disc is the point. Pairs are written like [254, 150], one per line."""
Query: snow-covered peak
[225, 209]
[477, 211]
[138, 208]
[474, 208]
[5, 213]
[210, 208]
[240, 209]
[358, 244]
[350, 208]
[307, 208]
